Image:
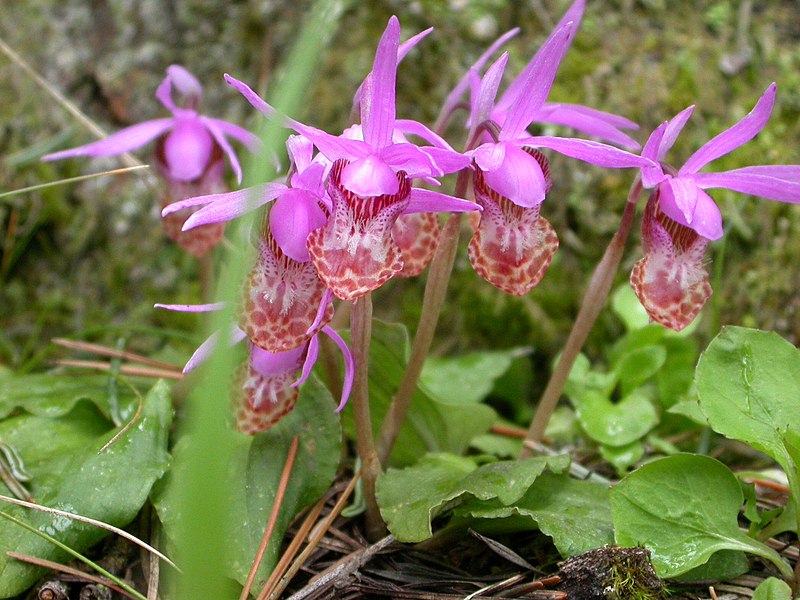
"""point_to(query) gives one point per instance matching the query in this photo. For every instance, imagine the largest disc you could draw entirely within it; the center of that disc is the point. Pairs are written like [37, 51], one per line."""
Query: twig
[342, 568]
[47, 564]
[41, 186]
[90, 521]
[114, 353]
[283, 484]
[275, 591]
[124, 369]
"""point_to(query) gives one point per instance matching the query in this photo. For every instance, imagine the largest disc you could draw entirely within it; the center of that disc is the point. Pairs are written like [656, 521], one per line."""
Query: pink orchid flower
[680, 219]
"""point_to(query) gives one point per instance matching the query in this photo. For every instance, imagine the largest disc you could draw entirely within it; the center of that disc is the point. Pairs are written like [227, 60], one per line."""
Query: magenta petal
[230, 205]
[519, 178]
[301, 151]
[616, 121]
[164, 94]
[671, 132]
[294, 215]
[186, 83]
[370, 176]
[219, 137]
[410, 127]
[205, 350]
[422, 200]
[448, 161]
[123, 141]
[594, 153]
[707, 220]
[349, 365]
[490, 156]
[238, 133]
[187, 149]
[378, 97]
[327, 297]
[253, 98]
[454, 97]
[483, 104]
[537, 79]
[592, 123]
[411, 159]
[679, 199]
[733, 137]
[406, 47]
[778, 182]
[270, 364]
[333, 147]
[308, 364]
[196, 308]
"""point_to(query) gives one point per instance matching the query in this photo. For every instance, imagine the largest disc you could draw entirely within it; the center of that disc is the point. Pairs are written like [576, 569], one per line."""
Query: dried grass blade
[114, 353]
[124, 369]
[41, 186]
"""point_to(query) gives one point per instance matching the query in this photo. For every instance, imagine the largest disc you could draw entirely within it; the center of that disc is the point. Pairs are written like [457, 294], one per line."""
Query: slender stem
[205, 265]
[593, 301]
[360, 334]
[435, 291]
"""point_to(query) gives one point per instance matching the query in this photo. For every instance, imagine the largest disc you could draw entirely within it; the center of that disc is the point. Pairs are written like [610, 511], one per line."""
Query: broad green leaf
[691, 409]
[722, 566]
[637, 366]
[748, 383]
[628, 308]
[676, 376]
[431, 425]
[773, 588]
[410, 498]
[615, 424]
[497, 445]
[254, 472]
[466, 379]
[622, 457]
[665, 505]
[48, 395]
[574, 513]
[69, 474]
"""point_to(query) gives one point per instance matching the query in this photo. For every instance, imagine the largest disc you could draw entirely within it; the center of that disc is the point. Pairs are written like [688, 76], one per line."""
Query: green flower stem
[593, 301]
[360, 334]
[435, 290]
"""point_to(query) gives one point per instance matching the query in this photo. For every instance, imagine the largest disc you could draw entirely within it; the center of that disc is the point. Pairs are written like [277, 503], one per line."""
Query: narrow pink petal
[653, 174]
[707, 219]
[678, 199]
[254, 99]
[186, 83]
[537, 79]
[487, 92]
[422, 200]
[519, 178]
[311, 359]
[333, 147]
[454, 97]
[205, 350]
[595, 153]
[410, 127]
[196, 308]
[778, 182]
[240, 134]
[378, 99]
[327, 297]
[188, 148]
[406, 47]
[730, 139]
[123, 141]
[588, 123]
[294, 215]
[369, 176]
[230, 205]
[349, 365]
[164, 94]
[614, 120]
[411, 159]
[301, 151]
[673, 129]
[448, 161]
[219, 136]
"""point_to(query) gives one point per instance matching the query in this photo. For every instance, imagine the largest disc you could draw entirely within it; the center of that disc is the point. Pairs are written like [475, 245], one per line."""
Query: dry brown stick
[114, 353]
[47, 564]
[509, 431]
[124, 369]
[281, 584]
[342, 568]
[283, 484]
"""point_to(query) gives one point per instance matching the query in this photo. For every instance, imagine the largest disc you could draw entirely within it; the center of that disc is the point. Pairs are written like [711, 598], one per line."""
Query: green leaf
[574, 513]
[48, 395]
[773, 588]
[615, 424]
[410, 498]
[497, 445]
[628, 308]
[637, 366]
[665, 506]
[466, 379]
[254, 471]
[622, 457]
[722, 566]
[431, 425]
[690, 408]
[69, 474]
[676, 376]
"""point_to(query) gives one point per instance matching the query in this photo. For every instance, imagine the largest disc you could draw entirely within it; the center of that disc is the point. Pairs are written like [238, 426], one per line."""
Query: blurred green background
[90, 260]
